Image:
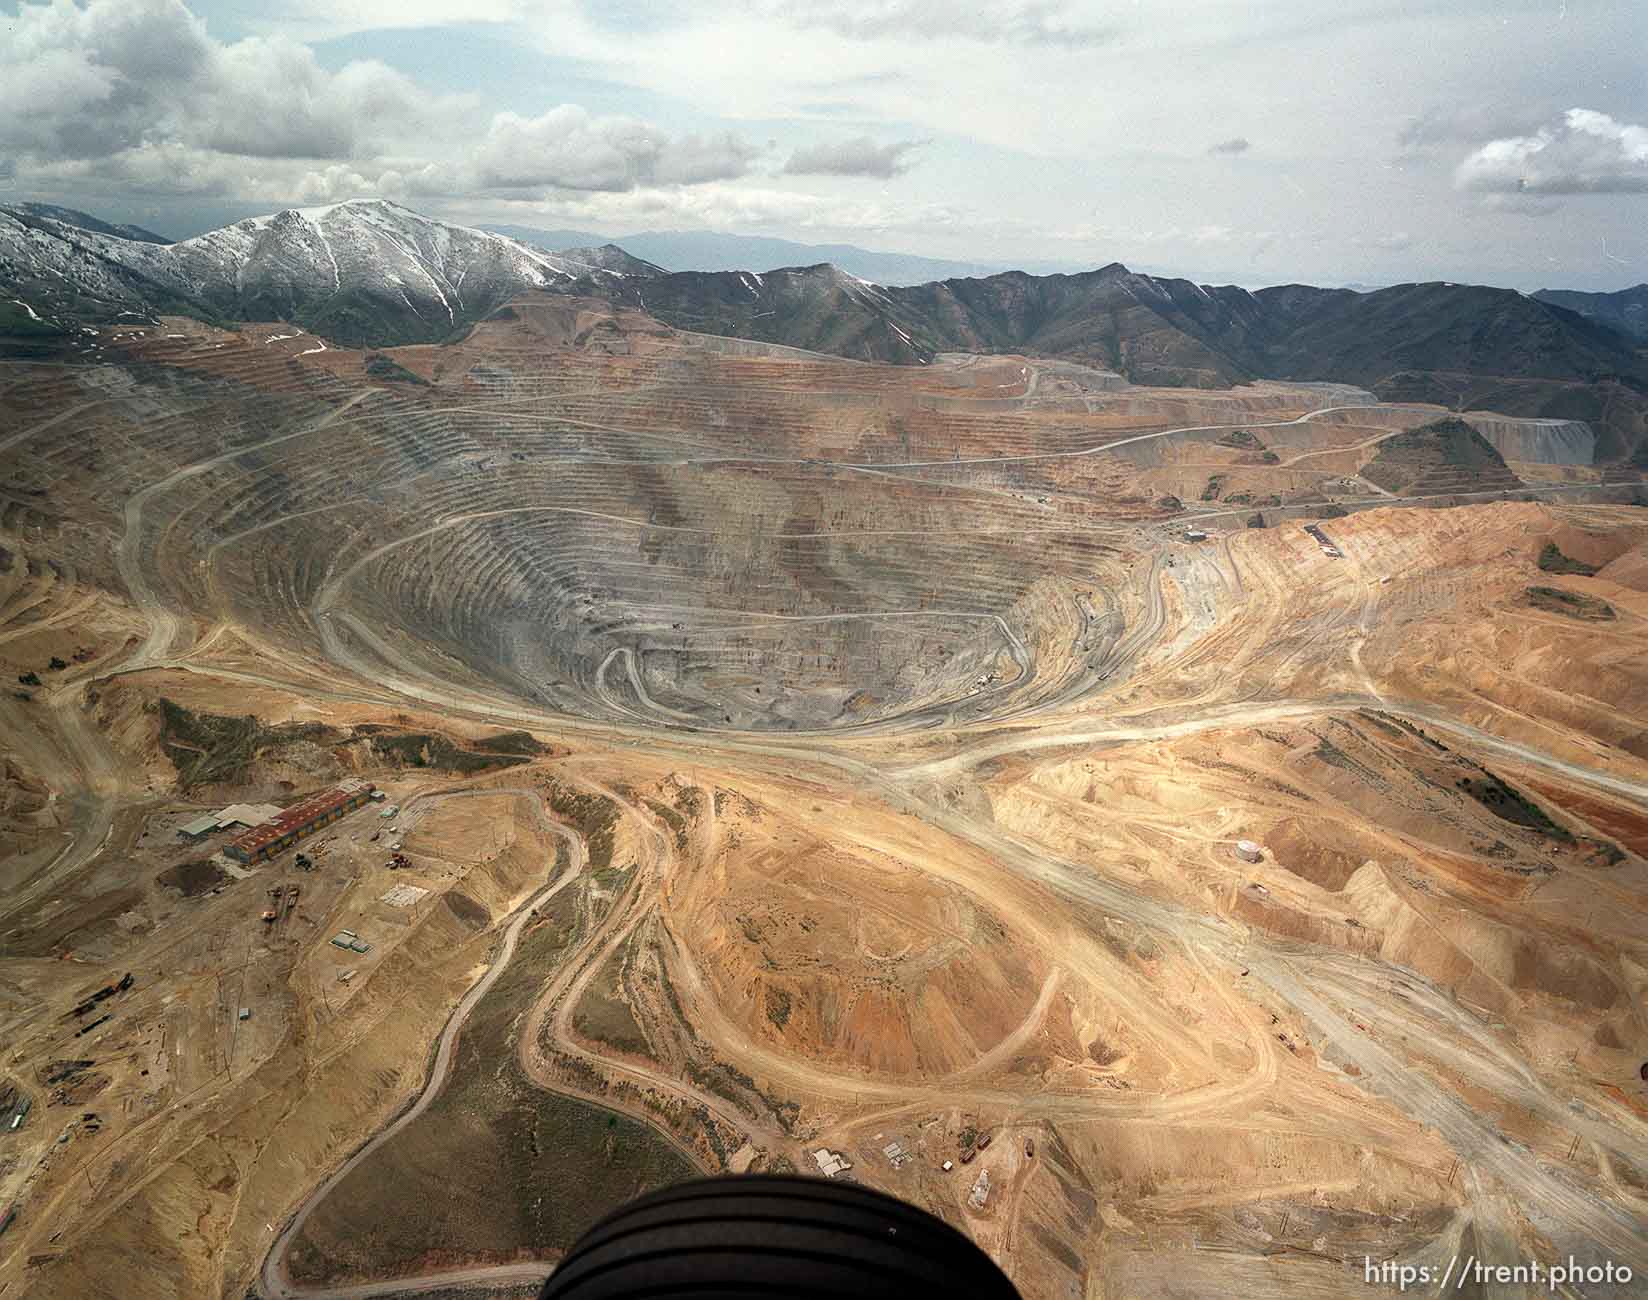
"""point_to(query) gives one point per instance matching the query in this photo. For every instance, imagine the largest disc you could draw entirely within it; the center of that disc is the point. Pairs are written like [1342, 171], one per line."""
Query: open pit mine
[1193, 840]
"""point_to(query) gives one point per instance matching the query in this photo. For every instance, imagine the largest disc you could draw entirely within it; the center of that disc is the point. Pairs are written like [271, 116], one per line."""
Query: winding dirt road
[273, 1279]
[1319, 985]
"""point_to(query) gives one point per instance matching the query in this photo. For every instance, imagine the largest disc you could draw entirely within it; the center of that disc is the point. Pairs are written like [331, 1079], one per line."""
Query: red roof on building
[305, 811]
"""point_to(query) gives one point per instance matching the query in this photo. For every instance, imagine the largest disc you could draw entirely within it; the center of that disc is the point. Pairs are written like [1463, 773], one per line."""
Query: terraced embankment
[911, 737]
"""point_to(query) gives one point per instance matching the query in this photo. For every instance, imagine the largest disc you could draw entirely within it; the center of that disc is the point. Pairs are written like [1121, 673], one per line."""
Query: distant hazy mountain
[708, 250]
[609, 257]
[1626, 310]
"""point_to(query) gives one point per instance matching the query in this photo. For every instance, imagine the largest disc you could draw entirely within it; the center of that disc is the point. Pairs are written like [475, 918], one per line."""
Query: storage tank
[1248, 851]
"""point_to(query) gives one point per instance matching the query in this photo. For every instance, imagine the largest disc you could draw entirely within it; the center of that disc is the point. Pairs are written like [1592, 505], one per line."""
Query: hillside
[1625, 310]
[1438, 458]
[609, 257]
[1464, 346]
[1154, 329]
[85, 221]
[819, 308]
[377, 274]
[1471, 329]
[368, 272]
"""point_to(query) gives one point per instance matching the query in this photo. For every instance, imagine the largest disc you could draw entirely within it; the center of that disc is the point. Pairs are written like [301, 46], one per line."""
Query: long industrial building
[302, 819]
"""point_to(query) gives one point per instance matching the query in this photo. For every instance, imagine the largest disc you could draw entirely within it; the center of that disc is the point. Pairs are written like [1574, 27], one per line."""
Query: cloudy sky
[1254, 141]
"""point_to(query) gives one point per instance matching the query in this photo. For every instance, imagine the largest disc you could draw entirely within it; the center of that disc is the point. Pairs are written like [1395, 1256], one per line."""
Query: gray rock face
[1541, 442]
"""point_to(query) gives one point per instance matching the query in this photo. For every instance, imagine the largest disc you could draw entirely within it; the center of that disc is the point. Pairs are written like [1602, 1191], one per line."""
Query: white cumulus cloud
[115, 75]
[136, 96]
[1586, 152]
[570, 148]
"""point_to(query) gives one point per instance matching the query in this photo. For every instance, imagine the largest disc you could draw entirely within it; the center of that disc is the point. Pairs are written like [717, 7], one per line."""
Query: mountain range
[713, 250]
[1625, 309]
[375, 273]
[372, 273]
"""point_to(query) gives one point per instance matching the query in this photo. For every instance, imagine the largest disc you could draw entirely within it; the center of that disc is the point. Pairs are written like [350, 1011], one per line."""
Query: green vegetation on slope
[1444, 456]
[433, 750]
[1511, 805]
[1555, 600]
[603, 1015]
[594, 816]
[211, 748]
[379, 366]
[497, 1168]
[1552, 560]
[18, 321]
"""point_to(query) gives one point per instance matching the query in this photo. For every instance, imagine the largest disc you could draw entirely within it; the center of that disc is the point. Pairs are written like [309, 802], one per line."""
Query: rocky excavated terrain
[1444, 456]
[1212, 821]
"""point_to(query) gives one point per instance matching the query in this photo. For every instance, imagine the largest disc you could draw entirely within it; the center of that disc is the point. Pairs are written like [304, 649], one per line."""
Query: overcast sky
[1332, 141]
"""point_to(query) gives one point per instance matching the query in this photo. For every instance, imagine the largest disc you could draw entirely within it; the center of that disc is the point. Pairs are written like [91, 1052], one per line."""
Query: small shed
[198, 829]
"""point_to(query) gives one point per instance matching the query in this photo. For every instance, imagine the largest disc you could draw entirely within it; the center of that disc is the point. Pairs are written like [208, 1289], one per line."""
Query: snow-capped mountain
[85, 221]
[361, 272]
